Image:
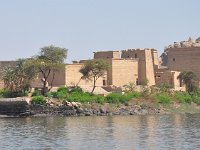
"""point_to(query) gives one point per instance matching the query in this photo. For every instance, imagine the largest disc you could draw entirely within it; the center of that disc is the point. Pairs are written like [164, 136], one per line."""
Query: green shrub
[99, 99]
[48, 94]
[85, 97]
[76, 89]
[4, 93]
[183, 97]
[62, 89]
[196, 99]
[121, 98]
[163, 98]
[59, 95]
[54, 94]
[36, 93]
[38, 100]
[133, 95]
[113, 98]
[1, 93]
[62, 95]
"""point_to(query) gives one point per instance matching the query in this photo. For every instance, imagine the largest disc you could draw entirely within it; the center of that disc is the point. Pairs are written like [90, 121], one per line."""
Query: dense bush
[53, 94]
[9, 94]
[183, 97]
[113, 98]
[76, 89]
[1, 93]
[48, 94]
[38, 100]
[62, 89]
[121, 98]
[85, 97]
[36, 93]
[163, 98]
[196, 99]
[61, 93]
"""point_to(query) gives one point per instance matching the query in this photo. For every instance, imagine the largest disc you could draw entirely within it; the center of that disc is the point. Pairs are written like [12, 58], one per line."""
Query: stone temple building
[126, 66]
[137, 66]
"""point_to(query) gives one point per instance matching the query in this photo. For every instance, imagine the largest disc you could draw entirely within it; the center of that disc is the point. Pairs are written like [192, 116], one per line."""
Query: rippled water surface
[152, 132]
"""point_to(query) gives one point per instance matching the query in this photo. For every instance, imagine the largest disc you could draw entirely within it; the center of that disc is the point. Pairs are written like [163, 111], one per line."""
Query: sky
[86, 26]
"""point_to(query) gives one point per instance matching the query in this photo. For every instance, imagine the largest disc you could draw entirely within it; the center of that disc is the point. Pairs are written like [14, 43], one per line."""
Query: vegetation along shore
[74, 102]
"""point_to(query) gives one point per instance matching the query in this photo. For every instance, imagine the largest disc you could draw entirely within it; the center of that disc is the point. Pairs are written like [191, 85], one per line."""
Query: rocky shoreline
[21, 108]
[90, 110]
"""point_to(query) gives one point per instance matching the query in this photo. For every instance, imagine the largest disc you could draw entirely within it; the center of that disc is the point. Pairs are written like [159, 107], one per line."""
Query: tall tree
[93, 70]
[190, 79]
[49, 61]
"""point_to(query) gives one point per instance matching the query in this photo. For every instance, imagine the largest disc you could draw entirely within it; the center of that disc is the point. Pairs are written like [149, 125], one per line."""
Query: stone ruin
[139, 49]
[184, 44]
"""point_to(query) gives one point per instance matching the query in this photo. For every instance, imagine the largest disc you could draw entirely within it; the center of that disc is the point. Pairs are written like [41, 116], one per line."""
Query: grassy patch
[163, 98]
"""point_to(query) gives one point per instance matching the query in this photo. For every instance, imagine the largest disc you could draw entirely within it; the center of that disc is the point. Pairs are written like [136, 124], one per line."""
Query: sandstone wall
[170, 78]
[150, 75]
[123, 71]
[154, 54]
[106, 54]
[145, 64]
[184, 59]
[59, 78]
[72, 76]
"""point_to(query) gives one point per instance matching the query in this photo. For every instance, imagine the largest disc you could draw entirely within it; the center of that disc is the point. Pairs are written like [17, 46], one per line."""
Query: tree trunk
[52, 80]
[94, 85]
[78, 82]
[44, 87]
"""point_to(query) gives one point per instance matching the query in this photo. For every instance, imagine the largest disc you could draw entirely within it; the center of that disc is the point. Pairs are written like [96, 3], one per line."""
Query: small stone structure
[13, 106]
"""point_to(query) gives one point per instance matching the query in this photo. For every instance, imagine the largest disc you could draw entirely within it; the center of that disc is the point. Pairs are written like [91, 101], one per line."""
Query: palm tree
[17, 78]
[190, 79]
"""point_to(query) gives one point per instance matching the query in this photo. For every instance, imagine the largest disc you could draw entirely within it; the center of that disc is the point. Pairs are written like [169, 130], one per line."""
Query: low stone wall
[13, 106]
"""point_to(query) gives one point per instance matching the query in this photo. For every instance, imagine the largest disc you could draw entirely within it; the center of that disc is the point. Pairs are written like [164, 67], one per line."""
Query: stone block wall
[122, 72]
[184, 59]
[106, 54]
[145, 64]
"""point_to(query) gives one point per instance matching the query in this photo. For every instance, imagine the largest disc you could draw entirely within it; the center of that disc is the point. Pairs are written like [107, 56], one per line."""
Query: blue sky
[85, 26]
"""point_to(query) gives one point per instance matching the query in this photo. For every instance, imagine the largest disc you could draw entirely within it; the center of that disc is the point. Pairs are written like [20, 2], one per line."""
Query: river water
[150, 132]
